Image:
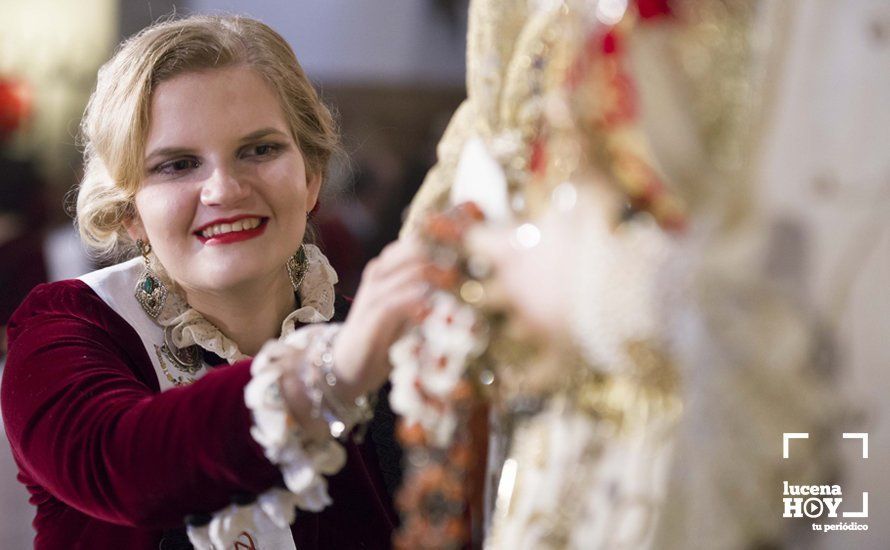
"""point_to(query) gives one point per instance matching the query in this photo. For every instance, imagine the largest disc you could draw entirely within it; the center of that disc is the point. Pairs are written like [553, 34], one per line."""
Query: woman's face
[225, 193]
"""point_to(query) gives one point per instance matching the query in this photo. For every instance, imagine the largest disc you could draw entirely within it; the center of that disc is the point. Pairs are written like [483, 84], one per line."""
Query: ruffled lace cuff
[273, 427]
[303, 462]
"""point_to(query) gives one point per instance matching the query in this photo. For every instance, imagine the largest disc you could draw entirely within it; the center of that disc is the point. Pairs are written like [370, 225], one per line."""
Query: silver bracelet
[340, 417]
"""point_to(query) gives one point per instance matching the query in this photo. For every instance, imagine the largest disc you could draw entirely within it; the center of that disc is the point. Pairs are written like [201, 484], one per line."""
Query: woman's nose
[224, 188]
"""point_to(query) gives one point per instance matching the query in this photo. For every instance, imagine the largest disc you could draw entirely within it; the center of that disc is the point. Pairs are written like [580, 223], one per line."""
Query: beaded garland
[440, 500]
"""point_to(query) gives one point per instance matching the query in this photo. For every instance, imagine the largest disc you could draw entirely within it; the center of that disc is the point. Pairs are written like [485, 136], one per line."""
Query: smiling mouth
[238, 230]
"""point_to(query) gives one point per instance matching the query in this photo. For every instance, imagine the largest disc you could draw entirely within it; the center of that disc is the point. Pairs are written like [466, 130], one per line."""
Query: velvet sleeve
[85, 420]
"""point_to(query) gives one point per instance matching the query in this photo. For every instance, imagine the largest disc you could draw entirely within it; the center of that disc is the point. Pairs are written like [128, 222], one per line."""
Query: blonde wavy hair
[115, 123]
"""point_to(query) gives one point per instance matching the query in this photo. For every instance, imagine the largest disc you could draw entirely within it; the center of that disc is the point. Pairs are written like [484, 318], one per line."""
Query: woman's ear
[133, 225]
[313, 187]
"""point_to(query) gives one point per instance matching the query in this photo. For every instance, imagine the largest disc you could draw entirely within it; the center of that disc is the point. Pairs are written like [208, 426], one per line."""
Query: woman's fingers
[367, 340]
[394, 291]
[411, 274]
[407, 302]
[394, 257]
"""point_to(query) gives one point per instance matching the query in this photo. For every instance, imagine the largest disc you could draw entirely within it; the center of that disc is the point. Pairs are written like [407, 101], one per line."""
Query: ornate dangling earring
[297, 266]
[151, 293]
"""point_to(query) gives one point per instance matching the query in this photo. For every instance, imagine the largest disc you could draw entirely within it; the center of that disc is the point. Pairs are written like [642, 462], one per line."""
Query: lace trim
[189, 327]
[302, 463]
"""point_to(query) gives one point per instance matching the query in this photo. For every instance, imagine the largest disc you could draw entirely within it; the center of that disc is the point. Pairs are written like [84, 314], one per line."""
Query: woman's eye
[262, 150]
[178, 166]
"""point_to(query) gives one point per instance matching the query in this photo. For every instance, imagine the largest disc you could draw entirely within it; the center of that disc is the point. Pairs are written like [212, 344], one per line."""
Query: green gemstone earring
[297, 266]
[151, 293]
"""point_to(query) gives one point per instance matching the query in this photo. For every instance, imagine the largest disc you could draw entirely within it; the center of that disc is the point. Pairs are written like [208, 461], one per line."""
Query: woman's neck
[249, 315]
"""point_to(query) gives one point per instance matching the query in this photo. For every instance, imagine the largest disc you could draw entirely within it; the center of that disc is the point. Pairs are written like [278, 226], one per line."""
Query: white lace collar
[188, 327]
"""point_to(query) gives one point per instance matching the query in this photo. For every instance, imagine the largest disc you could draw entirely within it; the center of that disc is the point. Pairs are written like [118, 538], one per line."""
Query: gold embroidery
[162, 352]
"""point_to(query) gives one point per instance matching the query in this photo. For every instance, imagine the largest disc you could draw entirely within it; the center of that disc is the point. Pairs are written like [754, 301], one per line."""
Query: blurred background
[393, 71]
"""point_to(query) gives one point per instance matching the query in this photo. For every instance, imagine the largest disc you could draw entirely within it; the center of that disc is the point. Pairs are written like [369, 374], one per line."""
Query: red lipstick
[233, 236]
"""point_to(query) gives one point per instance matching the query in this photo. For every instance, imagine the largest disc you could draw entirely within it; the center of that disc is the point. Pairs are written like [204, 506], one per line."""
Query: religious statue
[610, 371]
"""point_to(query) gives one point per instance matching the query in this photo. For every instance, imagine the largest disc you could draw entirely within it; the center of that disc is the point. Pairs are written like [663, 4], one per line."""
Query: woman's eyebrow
[168, 152]
[263, 133]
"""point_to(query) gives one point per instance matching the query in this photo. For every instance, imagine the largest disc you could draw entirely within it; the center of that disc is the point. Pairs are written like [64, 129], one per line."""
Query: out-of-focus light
[505, 487]
[610, 12]
[564, 196]
[528, 235]
[472, 292]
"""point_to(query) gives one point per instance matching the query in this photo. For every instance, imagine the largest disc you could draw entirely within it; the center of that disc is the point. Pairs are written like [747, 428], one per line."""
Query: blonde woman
[198, 383]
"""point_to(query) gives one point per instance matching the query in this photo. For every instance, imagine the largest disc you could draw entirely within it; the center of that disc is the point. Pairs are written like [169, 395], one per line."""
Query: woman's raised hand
[392, 291]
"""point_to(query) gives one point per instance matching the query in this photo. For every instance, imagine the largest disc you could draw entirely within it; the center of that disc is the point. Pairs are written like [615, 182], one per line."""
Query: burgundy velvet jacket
[111, 462]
